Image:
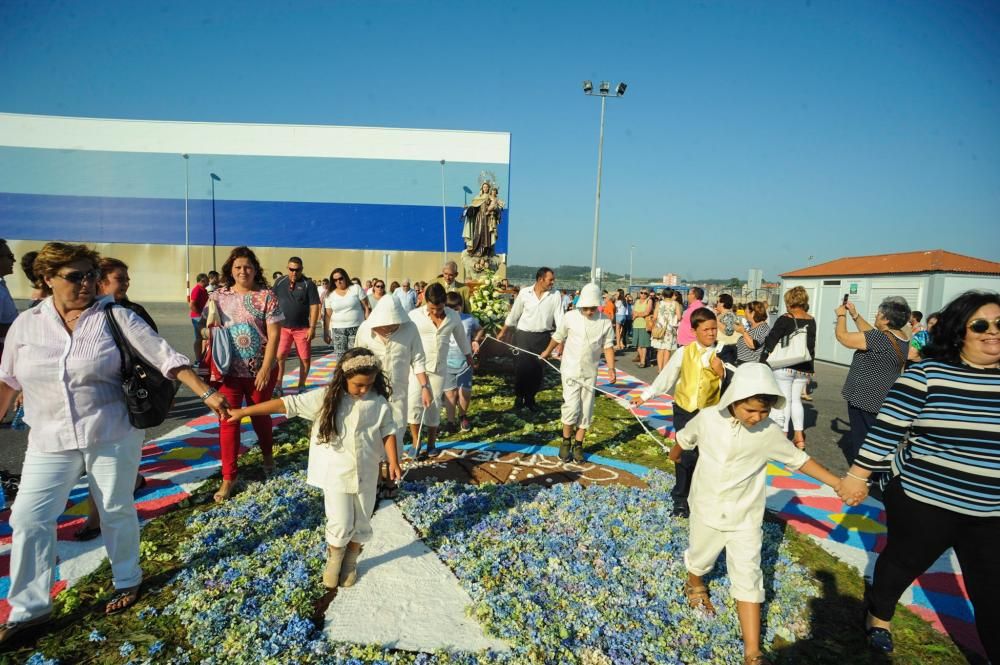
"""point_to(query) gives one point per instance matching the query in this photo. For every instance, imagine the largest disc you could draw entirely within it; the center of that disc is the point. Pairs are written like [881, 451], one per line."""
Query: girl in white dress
[353, 430]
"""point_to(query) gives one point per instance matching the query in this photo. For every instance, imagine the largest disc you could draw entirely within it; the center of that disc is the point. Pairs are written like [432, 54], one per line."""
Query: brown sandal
[225, 491]
[697, 597]
[756, 659]
[122, 600]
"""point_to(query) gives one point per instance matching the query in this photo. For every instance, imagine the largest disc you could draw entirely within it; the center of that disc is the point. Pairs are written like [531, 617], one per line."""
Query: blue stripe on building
[256, 223]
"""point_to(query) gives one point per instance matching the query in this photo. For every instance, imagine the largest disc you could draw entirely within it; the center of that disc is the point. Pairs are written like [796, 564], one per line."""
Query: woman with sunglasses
[940, 427]
[63, 357]
[378, 292]
[345, 309]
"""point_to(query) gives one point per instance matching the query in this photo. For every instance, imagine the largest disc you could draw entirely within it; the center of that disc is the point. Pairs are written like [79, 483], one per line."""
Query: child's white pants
[348, 517]
[746, 581]
[578, 402]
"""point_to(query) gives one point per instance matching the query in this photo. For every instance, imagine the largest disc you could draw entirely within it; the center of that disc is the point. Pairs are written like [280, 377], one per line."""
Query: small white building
[928, 281]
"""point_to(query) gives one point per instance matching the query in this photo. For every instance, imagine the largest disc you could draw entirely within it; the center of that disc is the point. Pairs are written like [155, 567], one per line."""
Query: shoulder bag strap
[124, 350]
[895, 347]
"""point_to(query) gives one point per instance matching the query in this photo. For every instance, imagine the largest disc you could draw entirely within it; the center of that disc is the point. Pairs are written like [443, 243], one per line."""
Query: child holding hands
[737, 439]
[353, 429]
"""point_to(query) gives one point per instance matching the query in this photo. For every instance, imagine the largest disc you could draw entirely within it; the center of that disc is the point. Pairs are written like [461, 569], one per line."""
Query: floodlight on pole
[213, 178]
[604, 91]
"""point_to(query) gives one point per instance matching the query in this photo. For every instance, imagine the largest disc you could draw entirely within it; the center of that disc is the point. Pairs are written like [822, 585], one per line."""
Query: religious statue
[480, 227]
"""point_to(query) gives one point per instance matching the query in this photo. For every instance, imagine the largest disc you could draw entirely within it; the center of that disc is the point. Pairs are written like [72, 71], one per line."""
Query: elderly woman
[939, 427]
[63, 357]
[345, 309]
[793, 380]
[249, 312]
[879, 357]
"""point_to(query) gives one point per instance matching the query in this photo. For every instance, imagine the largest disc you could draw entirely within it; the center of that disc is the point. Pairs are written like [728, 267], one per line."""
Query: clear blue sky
[753, 134]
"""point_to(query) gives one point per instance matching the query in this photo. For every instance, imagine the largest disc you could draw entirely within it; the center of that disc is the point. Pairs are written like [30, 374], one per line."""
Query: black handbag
[148, 394]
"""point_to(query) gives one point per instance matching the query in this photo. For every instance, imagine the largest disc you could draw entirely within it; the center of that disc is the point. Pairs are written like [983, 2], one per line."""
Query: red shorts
[300, 336]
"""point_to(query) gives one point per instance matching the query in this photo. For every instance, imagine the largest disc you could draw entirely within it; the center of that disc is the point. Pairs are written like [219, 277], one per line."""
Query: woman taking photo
[879, 357]
[346, 307]
[750, 344]
[792, 380]
[62, 355]
[249, 312]
[939, 427]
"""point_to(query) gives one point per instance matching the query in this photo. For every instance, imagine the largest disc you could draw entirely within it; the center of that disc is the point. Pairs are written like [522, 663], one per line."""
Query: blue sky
[753, 134]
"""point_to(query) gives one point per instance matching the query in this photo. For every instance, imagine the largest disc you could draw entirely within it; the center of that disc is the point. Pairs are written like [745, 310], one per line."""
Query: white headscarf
[387, 312]
[751, 379]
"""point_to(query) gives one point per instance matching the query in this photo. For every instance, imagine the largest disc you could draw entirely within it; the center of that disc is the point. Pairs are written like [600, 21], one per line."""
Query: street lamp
[604, 91]
[213, 178]
[444, 214]
[630, 250]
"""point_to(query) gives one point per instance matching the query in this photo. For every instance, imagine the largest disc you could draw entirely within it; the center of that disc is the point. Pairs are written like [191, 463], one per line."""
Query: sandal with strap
[697, 598]
[756, 659]
[122, 600]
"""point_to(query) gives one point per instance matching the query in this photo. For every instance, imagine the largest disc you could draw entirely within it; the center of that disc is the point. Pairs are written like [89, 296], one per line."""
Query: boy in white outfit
[737, 440]
[584, 333]
[436, 324]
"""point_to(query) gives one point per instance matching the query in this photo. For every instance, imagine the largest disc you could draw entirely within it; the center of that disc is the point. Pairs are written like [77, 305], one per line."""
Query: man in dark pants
[533, 317]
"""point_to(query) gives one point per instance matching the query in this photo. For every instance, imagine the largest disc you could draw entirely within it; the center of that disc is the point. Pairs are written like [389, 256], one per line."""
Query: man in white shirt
[406, 296]
[435, 323]
[534, 316]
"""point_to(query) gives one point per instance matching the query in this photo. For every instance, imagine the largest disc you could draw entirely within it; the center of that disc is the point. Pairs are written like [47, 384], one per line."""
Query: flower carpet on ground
[563, 574]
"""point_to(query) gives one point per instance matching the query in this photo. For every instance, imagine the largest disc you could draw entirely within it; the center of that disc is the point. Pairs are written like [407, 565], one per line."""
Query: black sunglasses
[290, 269]
[982, 325]
[78, 276]
[340, 279]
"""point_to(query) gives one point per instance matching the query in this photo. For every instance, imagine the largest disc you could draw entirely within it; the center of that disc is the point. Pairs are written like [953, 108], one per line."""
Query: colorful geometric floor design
[174, 465]
[854, 535]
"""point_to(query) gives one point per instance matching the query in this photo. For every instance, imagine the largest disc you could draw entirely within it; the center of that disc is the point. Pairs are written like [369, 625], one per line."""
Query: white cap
[751, 379]
[590, 296]
[388, 312]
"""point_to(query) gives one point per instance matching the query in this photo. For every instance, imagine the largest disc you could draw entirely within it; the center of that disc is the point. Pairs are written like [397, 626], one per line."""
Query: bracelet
[426, 385]
[864, 480]
[841, 315]
[208, 393]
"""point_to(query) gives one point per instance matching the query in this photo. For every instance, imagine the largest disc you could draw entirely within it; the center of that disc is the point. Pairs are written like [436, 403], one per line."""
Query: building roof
[935, 260]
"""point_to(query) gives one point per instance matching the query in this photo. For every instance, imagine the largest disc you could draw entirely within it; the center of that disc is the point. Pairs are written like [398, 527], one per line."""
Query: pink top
[72, 383]
[685, 334]
[245, 318]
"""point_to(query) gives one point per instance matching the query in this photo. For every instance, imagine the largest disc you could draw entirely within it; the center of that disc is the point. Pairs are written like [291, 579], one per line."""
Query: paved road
[826, 416]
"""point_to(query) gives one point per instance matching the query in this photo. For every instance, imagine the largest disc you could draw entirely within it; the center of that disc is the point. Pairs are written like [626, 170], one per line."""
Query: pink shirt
[685, 334]
[72, 383]
[245, 318]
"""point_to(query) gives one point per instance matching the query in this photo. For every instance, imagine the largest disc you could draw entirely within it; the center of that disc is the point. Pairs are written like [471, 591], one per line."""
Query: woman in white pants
[793, 380]
[63, 357]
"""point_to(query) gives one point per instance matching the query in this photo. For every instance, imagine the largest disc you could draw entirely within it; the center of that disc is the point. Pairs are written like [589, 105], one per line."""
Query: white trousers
[791, 383]
[578, 402]
[746, 581]
[415, 404]
[348, 517]
[46, 481]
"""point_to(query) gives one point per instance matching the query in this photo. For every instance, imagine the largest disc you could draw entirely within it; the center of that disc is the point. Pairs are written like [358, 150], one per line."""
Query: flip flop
[122, 600]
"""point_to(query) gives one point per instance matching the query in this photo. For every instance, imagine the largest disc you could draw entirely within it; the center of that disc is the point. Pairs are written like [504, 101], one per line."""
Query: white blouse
[72, 383]
[348, 464]
[345, 310]
[728, 488]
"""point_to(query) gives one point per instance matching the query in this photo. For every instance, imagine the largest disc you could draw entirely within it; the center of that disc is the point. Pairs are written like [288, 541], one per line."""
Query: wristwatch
[208, 393]
[425, 385]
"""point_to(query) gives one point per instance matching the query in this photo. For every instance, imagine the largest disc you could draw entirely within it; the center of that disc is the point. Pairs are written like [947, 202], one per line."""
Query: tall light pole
[444, 215]
[187, 232]
[213, 178]
[631, 249]
[603, 92]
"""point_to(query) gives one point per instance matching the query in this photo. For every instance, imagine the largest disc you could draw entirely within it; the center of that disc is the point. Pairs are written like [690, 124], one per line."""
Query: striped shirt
[949, 416]
[744, 354]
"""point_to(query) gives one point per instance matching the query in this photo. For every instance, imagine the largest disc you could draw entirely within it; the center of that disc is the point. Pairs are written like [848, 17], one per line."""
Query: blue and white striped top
[949, 417]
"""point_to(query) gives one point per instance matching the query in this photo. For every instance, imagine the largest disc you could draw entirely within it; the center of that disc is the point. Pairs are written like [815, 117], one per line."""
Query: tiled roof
[935, 260]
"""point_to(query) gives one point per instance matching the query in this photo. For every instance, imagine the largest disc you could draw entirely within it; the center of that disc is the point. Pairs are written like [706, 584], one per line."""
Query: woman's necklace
[976, 365]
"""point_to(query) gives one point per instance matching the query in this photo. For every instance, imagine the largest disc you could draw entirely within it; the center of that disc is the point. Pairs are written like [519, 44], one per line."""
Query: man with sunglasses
[8, 311]
[299, 300]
